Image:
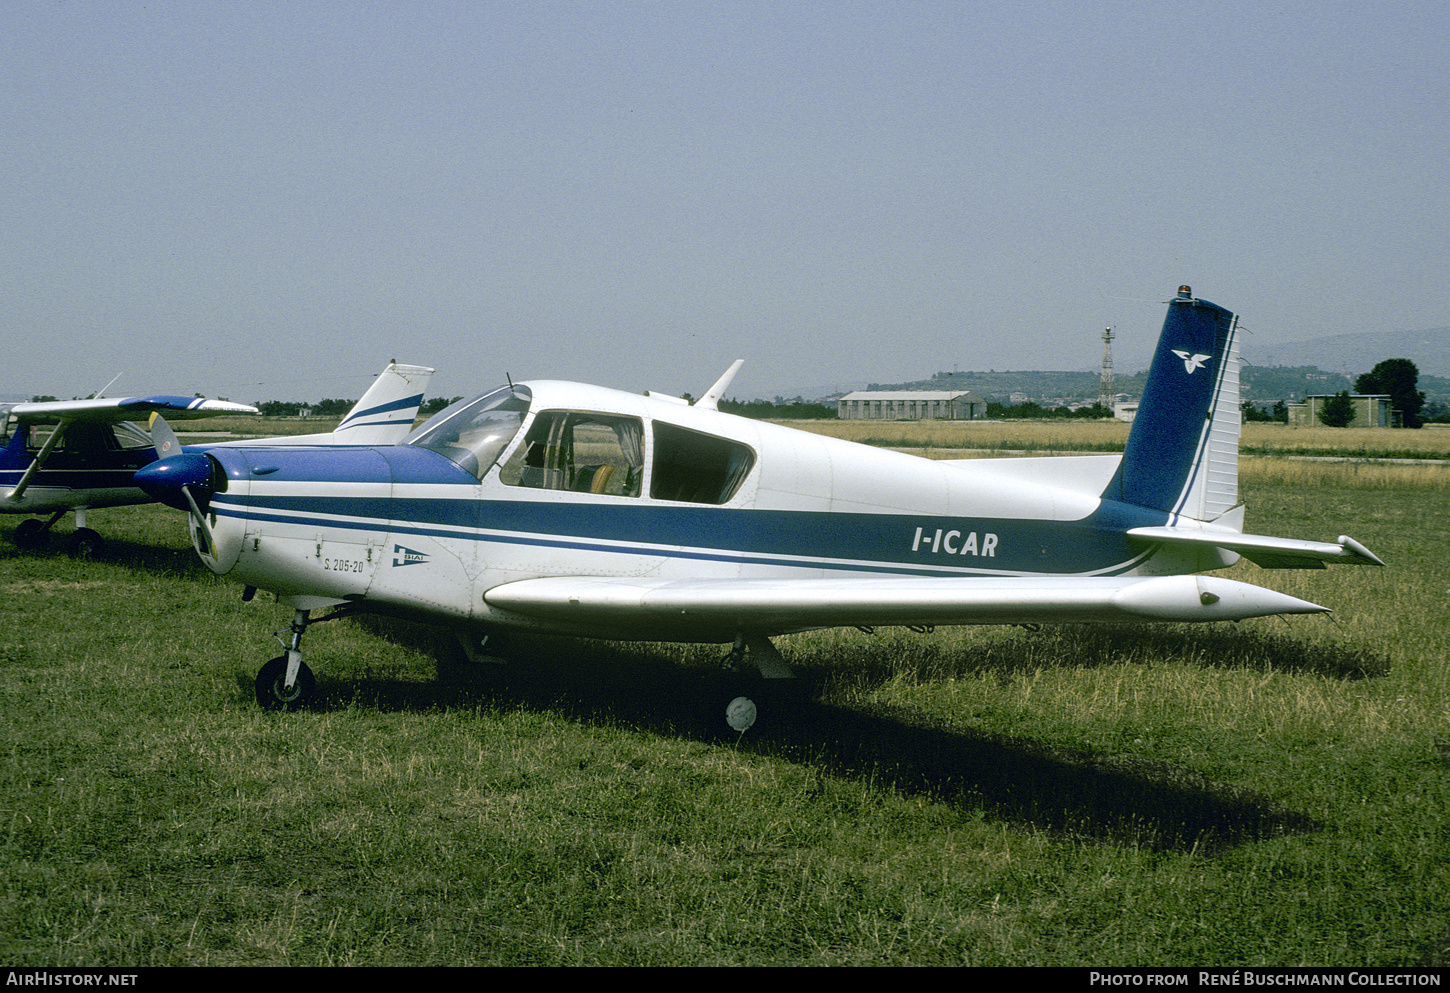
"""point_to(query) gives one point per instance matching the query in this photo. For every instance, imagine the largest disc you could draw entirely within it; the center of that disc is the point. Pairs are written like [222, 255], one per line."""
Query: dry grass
[1359, 475]
[1428, 443]
[1039, 436]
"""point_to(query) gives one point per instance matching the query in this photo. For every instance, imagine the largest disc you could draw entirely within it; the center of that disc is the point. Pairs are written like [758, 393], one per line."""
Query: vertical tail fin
[1182, 451]
[385, 414]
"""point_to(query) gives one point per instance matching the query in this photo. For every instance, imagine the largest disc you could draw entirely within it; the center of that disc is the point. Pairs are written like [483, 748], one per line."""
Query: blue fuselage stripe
[886, 543]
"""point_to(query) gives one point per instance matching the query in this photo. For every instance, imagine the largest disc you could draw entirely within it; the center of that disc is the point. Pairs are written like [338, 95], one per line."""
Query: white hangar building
[911, 405]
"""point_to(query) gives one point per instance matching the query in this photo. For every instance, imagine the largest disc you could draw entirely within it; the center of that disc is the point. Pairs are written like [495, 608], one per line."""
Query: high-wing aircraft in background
[584, 511]
[72, 455]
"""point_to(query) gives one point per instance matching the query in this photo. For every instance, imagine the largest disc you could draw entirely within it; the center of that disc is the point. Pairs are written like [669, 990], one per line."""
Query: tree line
[336, 408]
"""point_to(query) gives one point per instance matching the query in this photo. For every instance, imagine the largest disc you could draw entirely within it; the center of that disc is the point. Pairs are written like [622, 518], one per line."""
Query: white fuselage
[404, 528]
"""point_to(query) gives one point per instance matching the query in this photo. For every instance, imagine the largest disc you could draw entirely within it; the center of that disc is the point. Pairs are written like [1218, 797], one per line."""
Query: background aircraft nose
[167, 479]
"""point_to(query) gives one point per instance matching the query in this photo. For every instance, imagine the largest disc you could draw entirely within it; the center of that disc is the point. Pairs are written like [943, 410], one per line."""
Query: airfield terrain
[1272, 792]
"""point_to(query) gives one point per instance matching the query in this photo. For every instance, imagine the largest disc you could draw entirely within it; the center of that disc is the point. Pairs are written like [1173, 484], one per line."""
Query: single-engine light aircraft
[71, 455]
[577, 510]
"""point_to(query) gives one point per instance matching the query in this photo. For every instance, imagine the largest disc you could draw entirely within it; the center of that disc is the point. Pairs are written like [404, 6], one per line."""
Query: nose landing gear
[285, 683]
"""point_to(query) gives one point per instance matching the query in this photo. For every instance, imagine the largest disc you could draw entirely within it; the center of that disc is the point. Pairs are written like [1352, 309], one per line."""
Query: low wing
[779, 605]
[1265, 551]
[111, 410]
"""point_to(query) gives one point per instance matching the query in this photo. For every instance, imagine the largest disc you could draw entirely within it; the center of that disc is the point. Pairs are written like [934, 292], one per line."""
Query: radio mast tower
[1106, 392]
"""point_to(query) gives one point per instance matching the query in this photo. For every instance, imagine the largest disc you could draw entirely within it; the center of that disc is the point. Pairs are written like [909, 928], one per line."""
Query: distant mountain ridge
[1271, 372]
[1358, 353]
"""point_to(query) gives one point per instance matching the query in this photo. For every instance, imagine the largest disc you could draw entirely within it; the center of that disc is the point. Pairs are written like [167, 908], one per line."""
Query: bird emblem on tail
[1191, 362]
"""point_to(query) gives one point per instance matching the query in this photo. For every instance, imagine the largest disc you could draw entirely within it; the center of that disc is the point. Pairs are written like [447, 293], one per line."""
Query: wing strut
[39, 461]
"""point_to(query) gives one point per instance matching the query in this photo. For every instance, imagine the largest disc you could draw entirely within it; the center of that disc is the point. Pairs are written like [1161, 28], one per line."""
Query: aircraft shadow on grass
[1114, 799]
[145, 558]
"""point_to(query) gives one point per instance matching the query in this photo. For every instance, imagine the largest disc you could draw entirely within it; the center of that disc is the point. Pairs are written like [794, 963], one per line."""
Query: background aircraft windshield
[473, 432]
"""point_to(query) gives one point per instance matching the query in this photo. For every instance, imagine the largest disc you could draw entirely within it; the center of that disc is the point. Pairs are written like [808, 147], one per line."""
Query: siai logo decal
[406, 556]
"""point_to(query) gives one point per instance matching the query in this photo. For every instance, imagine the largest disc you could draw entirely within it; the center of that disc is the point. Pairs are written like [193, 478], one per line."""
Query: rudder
[1182, 451]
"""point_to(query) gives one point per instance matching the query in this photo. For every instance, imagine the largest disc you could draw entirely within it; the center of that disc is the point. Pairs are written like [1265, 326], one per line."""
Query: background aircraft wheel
[84, 543]
[30, 533]
[271, 693]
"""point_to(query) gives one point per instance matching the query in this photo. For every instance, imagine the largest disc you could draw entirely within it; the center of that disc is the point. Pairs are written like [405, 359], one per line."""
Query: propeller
[175, 474]
[163, 437]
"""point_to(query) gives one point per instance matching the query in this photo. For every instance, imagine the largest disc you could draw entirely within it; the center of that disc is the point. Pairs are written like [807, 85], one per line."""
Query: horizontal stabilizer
[796, 604]
[1266, 551]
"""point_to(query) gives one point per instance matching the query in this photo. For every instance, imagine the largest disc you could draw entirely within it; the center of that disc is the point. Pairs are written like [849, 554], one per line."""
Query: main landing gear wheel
[772, 694]
[84, 544]
[741, 713]
[272, 691]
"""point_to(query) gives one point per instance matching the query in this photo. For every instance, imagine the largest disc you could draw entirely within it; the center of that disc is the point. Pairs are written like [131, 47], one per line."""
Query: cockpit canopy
[473, 432]
[586, 451]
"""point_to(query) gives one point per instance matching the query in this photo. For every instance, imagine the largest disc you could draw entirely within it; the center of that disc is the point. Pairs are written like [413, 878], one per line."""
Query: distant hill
[1037, 385]
[1287, 371]
[1358, 353]
[1263, 385]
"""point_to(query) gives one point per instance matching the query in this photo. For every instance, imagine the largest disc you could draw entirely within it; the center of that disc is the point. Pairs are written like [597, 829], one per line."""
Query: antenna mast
[1106, 391]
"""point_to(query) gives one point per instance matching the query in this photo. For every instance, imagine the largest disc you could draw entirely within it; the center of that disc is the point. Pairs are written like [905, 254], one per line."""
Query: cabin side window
[581, 453]
[697, 468]
[78, 436]
[129, 437]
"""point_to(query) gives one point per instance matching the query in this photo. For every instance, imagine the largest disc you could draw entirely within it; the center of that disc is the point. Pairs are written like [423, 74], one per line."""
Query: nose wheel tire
[273, 694]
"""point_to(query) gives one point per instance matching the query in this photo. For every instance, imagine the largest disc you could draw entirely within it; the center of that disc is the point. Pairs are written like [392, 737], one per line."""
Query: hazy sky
[270, 200]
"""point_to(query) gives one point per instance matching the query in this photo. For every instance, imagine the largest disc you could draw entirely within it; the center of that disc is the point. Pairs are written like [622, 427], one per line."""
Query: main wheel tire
[84, 544]
[272, 693]
[741, 713]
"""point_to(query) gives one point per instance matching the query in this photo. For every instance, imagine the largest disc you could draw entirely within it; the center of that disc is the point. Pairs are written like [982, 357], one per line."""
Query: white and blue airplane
[64, 456]
[577, 510]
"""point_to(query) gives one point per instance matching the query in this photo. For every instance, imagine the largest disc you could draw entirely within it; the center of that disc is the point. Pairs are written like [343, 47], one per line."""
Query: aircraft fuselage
[408, 528]
[95, 468]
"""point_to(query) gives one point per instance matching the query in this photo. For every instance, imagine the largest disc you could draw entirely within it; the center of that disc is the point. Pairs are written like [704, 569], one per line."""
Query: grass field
[1267, 792]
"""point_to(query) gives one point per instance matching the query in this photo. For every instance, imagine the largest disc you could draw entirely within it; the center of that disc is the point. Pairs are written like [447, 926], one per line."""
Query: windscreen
[473, 432]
